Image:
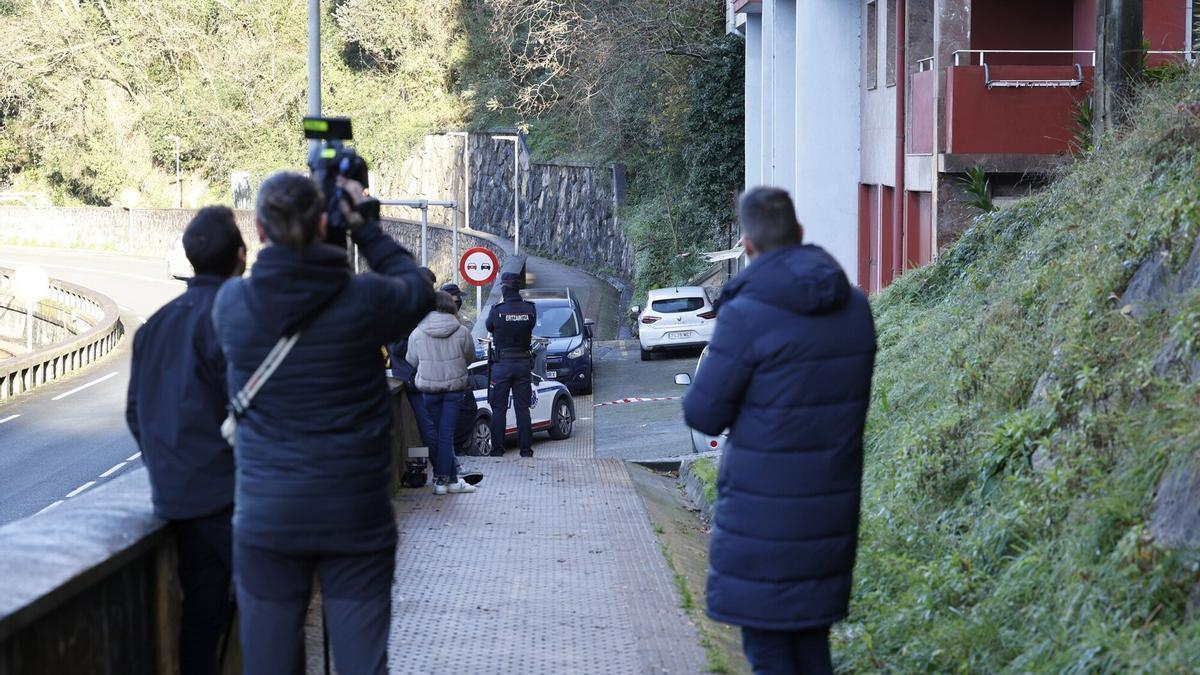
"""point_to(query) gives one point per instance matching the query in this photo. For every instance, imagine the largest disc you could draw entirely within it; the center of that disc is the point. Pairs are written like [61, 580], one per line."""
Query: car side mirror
[683, 379]
[635, 310]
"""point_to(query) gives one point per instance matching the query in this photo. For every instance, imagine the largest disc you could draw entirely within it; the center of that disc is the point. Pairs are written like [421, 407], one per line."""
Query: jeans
[773, 652]
[443, 412]
[420, 410]
[205, 566]
[273, 591]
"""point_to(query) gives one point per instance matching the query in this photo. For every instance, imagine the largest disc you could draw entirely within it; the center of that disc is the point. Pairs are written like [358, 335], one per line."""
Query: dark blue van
[569, 354]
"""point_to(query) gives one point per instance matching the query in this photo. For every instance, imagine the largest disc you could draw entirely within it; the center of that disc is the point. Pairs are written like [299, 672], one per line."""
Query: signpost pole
[478, 304]
[454, 245]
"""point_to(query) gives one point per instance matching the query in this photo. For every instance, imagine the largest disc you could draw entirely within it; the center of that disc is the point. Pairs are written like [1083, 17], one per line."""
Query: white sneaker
[439, 488]
[461, 486]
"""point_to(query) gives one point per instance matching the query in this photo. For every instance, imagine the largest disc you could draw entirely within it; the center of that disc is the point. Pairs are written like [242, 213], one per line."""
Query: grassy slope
[970, 560]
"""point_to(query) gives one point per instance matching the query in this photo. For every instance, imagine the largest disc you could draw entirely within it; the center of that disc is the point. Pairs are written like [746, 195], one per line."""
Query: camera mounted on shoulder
[329, 160]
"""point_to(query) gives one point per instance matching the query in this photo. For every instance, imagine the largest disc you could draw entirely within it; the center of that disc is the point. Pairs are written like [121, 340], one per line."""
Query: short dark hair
[212, 240]
[445, 302]
[289, 209]
[429, 275]
[768, 219]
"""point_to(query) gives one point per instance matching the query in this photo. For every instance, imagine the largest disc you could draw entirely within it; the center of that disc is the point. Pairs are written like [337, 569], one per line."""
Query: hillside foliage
[1020, 428]
[92, 94]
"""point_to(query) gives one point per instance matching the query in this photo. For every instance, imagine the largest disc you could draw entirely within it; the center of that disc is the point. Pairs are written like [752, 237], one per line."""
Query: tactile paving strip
[551, 567]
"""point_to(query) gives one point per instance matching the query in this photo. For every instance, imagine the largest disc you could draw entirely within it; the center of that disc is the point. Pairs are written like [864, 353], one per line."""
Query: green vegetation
[90, 93]
[706, 471]
[971, 559]
[979, 186]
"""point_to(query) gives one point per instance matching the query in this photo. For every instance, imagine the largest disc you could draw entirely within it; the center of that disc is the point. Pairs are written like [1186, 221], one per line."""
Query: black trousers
[205, 565]
[788, 652]
[511, 375]
[273, 591]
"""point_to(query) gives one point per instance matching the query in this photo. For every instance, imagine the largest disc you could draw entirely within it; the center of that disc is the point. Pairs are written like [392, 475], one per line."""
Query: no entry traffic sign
[479, 266]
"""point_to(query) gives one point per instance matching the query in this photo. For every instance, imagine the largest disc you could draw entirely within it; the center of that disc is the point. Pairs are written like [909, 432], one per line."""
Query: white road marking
[9, 418]
[80, 388]
[113, 470]
[583, 419]
[49, 507]
[81, 488]
[133, 457]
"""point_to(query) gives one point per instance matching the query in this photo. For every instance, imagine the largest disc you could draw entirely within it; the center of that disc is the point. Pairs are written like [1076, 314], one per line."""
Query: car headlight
[578, 352]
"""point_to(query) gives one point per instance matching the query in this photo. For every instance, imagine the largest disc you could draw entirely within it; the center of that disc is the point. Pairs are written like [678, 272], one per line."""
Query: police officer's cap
[510, 279]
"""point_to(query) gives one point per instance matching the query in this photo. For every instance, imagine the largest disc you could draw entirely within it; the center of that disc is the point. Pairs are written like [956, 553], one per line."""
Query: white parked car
[178, 266]
[674, 318]
[702, 442]
[553, 411]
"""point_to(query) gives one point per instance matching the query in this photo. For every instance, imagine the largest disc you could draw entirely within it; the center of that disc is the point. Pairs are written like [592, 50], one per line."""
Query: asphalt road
[68, 437]
[638, 409]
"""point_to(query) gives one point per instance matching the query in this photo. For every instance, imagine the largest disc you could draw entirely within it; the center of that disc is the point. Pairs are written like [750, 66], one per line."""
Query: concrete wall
[828, 117]
[878, 106]
[566, 211]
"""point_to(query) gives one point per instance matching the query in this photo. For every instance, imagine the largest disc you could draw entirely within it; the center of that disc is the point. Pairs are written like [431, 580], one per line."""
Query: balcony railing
[1091, 53]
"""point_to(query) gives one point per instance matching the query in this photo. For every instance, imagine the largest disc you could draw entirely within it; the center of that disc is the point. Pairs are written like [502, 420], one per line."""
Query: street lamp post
[178, 173]
[516, 141]
[314, 63]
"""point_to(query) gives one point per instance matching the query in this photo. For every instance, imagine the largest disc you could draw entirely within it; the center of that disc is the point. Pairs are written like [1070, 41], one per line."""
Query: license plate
[551, 374]
[680, 335]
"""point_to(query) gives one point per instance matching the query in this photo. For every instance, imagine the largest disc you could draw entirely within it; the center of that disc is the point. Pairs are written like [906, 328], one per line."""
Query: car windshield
[556, 322]
[677, 305]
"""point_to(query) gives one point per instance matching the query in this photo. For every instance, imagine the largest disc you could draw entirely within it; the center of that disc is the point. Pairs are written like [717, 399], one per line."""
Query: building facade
[872, 112]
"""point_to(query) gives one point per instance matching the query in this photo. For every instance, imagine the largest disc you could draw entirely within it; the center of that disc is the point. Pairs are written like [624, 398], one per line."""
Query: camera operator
[313, 446]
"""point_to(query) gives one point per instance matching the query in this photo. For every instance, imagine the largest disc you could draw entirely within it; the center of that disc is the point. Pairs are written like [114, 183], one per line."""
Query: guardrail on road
[24, 373]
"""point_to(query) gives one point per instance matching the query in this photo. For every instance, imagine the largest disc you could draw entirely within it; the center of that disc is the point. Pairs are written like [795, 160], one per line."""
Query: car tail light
[711, 314]
[650, 319]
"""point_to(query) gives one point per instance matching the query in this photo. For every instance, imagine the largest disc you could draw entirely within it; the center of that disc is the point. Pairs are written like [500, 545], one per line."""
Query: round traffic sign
[479, 266]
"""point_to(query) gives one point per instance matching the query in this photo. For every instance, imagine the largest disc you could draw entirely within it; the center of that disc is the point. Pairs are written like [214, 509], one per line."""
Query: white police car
[553, 411]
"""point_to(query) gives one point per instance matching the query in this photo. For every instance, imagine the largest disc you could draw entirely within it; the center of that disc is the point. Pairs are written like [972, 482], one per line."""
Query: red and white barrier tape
[638, 399]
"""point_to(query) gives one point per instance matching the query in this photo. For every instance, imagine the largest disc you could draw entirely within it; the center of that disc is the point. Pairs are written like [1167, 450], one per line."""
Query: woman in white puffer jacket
[440, 349]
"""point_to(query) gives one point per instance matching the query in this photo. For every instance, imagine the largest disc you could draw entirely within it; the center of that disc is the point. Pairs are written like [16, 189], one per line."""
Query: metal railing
[984, 52]
[24, 373]
[925, 64]
[423, 205]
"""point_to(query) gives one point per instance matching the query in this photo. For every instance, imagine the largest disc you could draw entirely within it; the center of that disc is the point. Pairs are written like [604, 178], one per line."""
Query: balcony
[1010, 116]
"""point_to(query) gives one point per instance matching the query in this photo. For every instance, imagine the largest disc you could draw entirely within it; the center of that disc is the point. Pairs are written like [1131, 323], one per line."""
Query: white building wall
[779, 93]
[754, 100]
[828, 124]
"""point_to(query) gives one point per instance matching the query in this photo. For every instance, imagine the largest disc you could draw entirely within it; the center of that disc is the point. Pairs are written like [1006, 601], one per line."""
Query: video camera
[329, 160]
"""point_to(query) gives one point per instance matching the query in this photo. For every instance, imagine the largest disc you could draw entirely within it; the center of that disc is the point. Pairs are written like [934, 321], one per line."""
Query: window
[893, 33]
[678, 305]
[556, 322]
[871, 61]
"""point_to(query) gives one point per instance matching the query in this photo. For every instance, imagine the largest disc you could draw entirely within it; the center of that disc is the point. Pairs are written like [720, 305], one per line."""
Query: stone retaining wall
[567, 211]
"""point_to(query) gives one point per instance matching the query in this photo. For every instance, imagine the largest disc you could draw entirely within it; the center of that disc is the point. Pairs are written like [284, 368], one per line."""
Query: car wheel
[562, 422]
[647, 355]
[480, 443]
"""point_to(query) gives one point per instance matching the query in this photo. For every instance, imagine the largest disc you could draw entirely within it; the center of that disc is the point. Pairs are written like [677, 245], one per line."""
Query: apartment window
[871, 77]
[893, 32]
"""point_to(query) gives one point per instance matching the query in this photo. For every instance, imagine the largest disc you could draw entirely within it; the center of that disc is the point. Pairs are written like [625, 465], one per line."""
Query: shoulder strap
[241, 401]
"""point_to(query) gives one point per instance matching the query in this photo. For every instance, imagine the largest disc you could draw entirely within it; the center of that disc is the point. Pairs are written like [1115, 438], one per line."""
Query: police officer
[511, 324]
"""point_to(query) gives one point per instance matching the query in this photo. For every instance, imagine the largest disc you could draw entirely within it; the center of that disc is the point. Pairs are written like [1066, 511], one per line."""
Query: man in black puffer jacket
[313, 447]
[789, 374]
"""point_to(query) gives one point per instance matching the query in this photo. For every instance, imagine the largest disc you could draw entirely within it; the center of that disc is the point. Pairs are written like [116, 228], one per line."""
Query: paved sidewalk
[551, 567]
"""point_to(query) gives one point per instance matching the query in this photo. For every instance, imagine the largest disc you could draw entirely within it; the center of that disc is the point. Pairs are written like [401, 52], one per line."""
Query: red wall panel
[1165, 27]
[923, 102]
[1037, 121]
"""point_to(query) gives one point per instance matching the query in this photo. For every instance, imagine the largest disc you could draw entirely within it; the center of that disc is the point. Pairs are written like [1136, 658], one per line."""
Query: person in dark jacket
[175, 406]
[788, 372]
[313, 448]
[511, 324]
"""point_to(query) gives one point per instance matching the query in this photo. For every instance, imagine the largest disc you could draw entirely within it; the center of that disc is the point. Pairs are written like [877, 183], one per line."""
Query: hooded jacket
[313, 449]
[440, 350]
[789, 374]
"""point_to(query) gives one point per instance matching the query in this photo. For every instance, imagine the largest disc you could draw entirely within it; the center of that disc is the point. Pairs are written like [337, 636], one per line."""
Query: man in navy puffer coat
[788, 372]
[313, 449]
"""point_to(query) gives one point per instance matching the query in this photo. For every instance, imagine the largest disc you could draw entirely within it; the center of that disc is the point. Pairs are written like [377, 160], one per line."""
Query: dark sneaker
[527, 453]
[471, 477]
